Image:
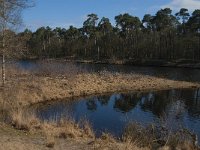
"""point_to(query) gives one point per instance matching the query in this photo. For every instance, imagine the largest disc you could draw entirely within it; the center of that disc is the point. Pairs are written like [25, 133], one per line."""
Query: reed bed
[53, 81]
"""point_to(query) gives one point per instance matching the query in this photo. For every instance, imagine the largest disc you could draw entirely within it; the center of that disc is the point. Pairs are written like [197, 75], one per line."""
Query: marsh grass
[56, 81]
[135, 133]
[22, 120]
[155, 137]
[52, 82]
[65, 128]
[87, 127]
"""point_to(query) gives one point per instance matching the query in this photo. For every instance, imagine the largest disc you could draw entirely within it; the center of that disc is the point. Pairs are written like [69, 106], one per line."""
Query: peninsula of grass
[24, 88]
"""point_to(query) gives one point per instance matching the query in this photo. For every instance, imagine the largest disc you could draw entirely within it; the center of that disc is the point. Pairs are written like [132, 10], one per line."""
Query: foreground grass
[28, 139]
[24, 88]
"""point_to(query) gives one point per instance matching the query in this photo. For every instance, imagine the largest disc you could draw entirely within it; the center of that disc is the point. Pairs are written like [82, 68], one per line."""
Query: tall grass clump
[155, 137]
[68, 128]
[22, 120]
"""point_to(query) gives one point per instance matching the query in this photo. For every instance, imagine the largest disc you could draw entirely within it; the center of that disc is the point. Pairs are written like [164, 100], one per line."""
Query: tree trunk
[98, 49]
[3, 70]
[199, 46]
[3, 59]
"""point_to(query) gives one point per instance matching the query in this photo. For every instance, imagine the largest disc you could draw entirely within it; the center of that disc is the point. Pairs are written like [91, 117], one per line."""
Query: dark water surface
[184, 74]
[111, 113]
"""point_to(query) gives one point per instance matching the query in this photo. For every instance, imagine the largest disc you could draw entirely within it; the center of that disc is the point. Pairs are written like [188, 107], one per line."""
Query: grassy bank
[25, 88]
[64, 136]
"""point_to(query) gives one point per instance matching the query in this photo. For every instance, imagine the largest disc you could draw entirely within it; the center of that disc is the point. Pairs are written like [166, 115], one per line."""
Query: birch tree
[10, 17]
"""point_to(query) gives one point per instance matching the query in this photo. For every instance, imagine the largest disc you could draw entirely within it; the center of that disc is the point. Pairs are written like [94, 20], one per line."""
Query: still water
[111, 113]
[182, 74]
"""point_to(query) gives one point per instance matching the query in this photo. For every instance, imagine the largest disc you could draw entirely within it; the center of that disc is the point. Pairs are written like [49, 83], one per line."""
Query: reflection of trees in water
[159, 103]
[156, 102]
[126, 102]
[91, 105]
[191, 99]
[188, 99]
[54, 111]
[103, 100]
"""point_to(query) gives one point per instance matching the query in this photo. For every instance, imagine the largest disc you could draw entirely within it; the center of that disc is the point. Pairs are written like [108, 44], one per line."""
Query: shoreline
[146, 63]
[24, 90]
[76, 98]
[179, 63]
[28, 90]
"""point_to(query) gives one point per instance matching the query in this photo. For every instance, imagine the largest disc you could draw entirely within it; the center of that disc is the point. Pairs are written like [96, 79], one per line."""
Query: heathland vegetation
[160, 37]
[23, 89]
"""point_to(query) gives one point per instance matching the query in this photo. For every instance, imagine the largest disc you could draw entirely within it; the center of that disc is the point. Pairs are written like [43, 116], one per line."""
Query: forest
[163, 36]
[132, 83]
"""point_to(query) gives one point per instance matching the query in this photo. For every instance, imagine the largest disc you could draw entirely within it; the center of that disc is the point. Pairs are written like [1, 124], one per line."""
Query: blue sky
[63, 13]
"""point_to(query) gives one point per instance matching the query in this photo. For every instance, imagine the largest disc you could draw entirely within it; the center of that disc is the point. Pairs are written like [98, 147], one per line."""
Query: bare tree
[10, 17]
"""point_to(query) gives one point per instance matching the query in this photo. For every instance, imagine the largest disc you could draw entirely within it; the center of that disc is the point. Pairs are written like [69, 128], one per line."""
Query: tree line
[164, 36]
[160, 36]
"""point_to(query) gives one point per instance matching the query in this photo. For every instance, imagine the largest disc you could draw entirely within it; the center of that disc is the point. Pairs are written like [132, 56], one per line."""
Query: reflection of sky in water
[112, 113]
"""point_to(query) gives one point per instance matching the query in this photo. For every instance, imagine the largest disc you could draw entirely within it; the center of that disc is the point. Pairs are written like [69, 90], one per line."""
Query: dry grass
[55, 134]
[52, 132]
[67, 128]
[108, 142]
[135, 136]
[142, 137]
[24, 121]
[158, 137]
[24, 88]
[64, 129]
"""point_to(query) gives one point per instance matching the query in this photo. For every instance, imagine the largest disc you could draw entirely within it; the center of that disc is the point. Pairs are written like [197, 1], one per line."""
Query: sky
[63, 13]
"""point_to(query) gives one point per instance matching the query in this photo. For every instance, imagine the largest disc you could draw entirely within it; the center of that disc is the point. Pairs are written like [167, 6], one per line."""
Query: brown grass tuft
[50, 140]
[135, 133]
[23, 121]
[67, 128]
[87, 128]
[158, 137]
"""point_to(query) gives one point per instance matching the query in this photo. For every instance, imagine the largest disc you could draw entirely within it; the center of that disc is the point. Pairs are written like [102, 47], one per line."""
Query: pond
[111, 113]
[182, 74]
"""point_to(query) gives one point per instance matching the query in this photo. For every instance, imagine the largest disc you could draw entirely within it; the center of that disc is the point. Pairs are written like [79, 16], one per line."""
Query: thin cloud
[177, 4]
